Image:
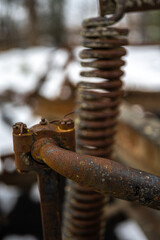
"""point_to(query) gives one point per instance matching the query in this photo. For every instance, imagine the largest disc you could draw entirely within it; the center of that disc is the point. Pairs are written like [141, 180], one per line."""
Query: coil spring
[97, 110]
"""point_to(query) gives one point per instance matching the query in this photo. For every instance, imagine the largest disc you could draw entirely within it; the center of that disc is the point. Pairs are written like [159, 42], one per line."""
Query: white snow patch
[59, 57]
[51, 87]
[6, 135]
[77, 11]
[17, 114]
[16, 237]
[21, 68]
[143, 68]
[129, 230]
[8, 197]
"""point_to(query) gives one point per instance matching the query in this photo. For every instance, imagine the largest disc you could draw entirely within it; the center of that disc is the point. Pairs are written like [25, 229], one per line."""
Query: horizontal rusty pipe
[109, 6]
[101, 175]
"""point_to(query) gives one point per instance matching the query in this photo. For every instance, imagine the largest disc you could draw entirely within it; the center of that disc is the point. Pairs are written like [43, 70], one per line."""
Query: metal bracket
[50, 182]
[119, 10]
[109, 6]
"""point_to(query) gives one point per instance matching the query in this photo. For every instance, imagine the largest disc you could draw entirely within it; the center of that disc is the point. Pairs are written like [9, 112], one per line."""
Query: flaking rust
[61, 132]
[47, 148]
[38, 149]
[103, 175]
[130, 6]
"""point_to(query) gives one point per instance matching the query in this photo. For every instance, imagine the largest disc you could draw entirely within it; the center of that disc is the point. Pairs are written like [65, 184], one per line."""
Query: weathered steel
[101, 175]
[49, 181]
[119, 11]
[49, 188]
[118, 8]
[97, 110]
[109, 6]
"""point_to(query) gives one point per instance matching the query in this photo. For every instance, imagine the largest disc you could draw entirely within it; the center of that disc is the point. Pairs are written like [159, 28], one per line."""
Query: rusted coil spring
[97, 111]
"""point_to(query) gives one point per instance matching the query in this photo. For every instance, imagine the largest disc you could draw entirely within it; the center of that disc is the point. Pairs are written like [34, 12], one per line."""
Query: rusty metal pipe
[109, 7]
[101, 175]
[49, 188]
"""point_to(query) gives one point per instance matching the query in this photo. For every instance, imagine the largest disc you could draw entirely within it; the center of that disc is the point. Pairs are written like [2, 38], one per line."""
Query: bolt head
[43, 121]
[66, 124]
[19, 128]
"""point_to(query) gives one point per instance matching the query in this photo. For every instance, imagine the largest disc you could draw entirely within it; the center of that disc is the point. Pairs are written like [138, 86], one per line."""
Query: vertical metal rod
[100, 2]
[49, 188]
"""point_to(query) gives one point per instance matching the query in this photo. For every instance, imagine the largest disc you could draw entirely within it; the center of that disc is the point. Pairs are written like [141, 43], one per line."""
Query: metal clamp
[49, 181]
[111, 177]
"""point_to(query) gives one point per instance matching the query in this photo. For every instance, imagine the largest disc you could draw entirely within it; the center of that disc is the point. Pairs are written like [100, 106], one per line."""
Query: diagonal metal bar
[101, 175]
[109, 6]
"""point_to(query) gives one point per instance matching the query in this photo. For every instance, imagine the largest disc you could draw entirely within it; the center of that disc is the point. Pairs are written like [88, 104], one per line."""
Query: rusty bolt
[16, 129]
[43, 121]
[66, 124]
[19, 128]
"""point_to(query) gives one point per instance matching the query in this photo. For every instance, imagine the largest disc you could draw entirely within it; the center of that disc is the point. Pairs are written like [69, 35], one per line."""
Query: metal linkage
[119, 11]
[42, 148]
[109, 6]
[39, 149]
[101, 175]
[97, 110]
[50, 183]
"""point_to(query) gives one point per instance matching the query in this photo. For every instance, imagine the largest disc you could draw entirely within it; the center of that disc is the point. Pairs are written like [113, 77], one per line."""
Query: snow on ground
[129, 230]
[77, 11]
[15, 237]
[17, 114]
[143, 68]
[9, 197]
[20, 70]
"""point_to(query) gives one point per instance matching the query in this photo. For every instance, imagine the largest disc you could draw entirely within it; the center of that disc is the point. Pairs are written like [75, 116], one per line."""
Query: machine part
[119, 12]
[35, 150]
[49, 187]
[97, 111]
[100, 175]
[109, 6]
[50, 183]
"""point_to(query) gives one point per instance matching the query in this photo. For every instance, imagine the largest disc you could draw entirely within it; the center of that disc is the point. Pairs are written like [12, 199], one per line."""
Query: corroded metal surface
[83, 213]
[130, 5]
[103, 175]
[119, 10]
[40, 147]
[49, 188]
[97, 110]
[61, 132]
[95, 174]
[98, 102]
[24, 137]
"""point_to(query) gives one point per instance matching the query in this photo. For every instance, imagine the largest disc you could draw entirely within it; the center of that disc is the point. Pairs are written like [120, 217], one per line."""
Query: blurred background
[39, 69]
